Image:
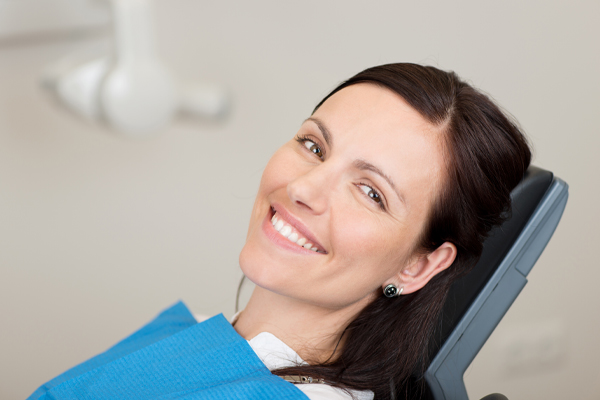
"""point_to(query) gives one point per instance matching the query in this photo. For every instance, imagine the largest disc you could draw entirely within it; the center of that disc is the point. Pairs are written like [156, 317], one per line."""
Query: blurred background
[99, 230]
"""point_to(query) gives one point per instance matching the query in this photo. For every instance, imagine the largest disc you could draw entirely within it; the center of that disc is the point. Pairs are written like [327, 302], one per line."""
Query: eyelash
[303, 139]
[380, 204]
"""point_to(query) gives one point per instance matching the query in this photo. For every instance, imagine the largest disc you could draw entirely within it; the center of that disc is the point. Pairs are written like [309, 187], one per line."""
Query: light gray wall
[98, 232]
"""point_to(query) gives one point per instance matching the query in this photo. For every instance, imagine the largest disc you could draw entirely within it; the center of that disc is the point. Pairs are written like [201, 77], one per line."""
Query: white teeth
[278, 225]
[285, 231]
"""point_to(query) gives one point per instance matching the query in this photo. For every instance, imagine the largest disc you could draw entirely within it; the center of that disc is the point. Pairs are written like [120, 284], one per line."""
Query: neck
[314, 332]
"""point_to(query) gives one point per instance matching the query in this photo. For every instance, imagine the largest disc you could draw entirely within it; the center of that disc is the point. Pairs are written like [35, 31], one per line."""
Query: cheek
[369, 243]
[277, 173]
[273, 177]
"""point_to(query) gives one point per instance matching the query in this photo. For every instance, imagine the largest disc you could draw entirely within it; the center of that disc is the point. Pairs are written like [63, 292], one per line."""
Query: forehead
[373, 123]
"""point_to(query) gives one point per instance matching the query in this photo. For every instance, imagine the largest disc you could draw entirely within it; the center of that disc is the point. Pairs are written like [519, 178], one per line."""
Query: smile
[286, 230]
[290, 233]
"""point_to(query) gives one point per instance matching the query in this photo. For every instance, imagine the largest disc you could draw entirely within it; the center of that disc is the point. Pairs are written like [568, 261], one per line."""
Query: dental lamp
[130, 90]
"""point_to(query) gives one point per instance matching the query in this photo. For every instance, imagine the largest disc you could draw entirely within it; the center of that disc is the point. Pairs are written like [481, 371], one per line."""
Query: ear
[419, 272]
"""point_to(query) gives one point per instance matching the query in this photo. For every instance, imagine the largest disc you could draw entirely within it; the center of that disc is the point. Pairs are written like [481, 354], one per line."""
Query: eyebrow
[323, 129]
[366, 166]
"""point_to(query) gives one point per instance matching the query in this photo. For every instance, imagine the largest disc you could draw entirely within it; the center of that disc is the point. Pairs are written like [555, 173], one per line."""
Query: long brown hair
[386, 346]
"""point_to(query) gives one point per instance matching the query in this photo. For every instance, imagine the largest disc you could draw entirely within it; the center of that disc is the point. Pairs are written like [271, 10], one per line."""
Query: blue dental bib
[173, 357]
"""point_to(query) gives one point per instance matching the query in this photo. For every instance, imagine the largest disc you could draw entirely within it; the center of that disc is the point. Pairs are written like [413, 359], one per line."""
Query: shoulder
[275, 354]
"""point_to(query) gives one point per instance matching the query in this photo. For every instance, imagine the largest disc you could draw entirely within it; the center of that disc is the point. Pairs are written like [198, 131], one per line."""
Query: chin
[255, 264]
[262, 269]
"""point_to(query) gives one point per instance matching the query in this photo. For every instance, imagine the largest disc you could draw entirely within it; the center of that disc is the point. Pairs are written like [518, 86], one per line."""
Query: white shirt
[275, 354]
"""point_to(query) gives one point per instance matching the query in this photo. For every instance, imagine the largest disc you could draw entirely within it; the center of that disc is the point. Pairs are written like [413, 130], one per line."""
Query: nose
[312, 189]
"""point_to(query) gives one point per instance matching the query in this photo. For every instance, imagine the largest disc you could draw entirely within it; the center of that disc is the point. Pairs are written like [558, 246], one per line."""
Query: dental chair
[477, 302]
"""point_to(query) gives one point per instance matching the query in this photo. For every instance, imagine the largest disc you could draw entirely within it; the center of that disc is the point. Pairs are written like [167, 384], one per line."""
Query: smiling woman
[361, 223]
[393, 182]
[357, 194]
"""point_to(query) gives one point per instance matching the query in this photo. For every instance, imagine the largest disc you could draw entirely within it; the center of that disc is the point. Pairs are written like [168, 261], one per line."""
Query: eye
[311, 146]
[371, 193]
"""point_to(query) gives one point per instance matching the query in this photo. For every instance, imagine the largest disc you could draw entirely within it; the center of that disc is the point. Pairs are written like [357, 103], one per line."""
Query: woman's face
[355, 183]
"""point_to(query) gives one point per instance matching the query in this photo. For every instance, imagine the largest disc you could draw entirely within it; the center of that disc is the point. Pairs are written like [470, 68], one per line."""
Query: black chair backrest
[525, 199]
[474, 306]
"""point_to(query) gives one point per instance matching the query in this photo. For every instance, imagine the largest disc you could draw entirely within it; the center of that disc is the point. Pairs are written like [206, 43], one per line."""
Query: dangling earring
[392, 291]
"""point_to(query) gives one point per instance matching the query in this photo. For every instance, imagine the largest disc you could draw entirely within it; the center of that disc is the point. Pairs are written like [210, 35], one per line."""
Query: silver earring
[392, 291]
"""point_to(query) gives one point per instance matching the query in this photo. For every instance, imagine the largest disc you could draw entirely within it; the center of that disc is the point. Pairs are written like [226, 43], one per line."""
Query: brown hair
[386, 345]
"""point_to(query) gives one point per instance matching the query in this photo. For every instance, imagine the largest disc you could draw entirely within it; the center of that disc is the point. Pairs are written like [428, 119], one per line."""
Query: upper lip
[298, 225]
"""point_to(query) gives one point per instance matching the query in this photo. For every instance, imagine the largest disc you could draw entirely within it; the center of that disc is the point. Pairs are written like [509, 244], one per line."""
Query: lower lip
[280, 241]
